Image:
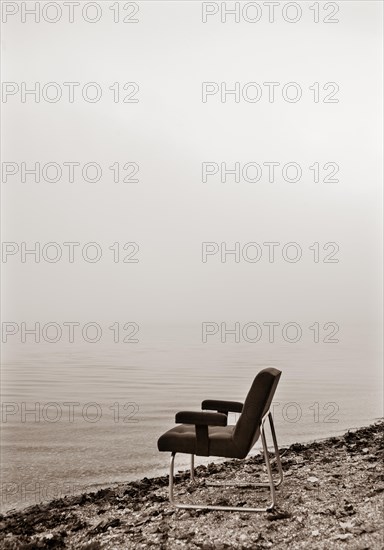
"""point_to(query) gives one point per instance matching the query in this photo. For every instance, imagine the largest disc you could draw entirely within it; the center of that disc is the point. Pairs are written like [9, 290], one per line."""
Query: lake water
[124, 396]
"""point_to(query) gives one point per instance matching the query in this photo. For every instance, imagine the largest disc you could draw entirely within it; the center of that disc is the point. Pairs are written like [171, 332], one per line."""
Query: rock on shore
[331, 498]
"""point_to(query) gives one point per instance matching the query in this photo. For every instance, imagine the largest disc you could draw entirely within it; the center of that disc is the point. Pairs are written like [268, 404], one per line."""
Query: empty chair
[203, 433]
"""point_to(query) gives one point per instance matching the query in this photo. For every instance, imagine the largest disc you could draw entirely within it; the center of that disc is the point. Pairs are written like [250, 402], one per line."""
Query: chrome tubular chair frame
[272, 485]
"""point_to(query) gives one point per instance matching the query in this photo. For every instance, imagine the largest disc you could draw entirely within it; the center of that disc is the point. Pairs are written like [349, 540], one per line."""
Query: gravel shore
[331, 498]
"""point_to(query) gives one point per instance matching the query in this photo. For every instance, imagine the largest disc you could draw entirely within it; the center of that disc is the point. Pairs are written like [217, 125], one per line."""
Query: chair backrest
[256, 405]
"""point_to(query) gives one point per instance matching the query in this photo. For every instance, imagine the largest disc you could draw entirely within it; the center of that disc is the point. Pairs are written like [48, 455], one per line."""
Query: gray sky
[169, 133]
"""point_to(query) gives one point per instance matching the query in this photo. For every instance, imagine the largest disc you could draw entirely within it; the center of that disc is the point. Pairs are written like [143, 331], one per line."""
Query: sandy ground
[331, 498]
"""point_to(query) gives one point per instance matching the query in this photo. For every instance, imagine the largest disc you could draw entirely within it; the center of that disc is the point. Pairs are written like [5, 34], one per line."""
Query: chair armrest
[222, 406]
[201, 418]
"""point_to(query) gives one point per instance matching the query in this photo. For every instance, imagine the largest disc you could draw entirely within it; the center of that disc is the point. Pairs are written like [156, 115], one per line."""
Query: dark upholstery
[201, 418]
[225, 441]
[201, 421]
[222, 406]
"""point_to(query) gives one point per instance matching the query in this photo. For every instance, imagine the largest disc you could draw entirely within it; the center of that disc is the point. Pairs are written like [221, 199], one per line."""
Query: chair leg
[269, 469]
[228, 508]
[193, 479]
[171, 474]
[277, 453]
[278, 462]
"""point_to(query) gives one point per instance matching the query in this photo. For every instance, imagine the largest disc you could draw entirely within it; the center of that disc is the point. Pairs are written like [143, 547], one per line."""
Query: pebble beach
[331, 498]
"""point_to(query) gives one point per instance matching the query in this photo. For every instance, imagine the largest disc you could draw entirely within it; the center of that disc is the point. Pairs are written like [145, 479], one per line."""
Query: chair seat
[182, 439]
